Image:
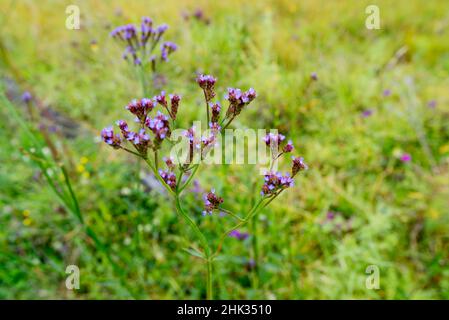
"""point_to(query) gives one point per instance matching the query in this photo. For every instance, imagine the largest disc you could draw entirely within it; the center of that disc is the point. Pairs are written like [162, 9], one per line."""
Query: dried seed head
[169, 162]
[298, 165]
[174, 101]
[216, 108]
[211, 202]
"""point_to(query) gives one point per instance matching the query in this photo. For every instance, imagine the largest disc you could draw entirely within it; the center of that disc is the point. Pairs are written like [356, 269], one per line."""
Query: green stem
[158, 176]
[229, 122]
[192, 224]
[210, 294]
[232, 214]
[205, 245]
[250, 214]
[207, 109]
[195, 168]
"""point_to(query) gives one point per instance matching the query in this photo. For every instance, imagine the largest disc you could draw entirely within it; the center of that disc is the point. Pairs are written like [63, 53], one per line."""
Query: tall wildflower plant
[154, 120]
[144, 47]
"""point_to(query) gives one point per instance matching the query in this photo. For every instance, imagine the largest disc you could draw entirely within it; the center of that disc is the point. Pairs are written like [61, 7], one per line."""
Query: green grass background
[398, 212]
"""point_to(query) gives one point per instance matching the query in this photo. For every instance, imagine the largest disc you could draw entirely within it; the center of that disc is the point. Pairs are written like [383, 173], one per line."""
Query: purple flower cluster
[211, 202]
[140, 108]
[198, 15]
[27, 97]
[207, 83]
[216, 108]
[140, 140]
[432, 104]
[211, 139]
[167, 48]
[275, 182]
[169, 163]
[141, 43]
[174, 103]
[288, 147]
[367, 113]
[202, 144]
[169, 177]
[298, 165]
[159, 125]
[238, 235]
[406, 157]
[273, 138]
[110, 138]
[238, 100]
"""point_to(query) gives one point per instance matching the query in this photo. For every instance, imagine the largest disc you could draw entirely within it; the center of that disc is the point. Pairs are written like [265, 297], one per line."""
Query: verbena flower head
[112, 139]
[27, 97]
[194, 143]
[126, 133]
[160, 126]
[298, 165]
[174, 103]
[166, 49]
[140, 108]
[157, 127]
[238, 235]
[161, 99]
[190, 133]
[367, 113]
[169, 177]
[141, 141]
[207, 83]
[273, 138]
[432, 104]
[169, 162]
[238, 100]
[406, 157]
[211, 202]
[214, 127]
[275, 182]
[216, 108]
[140, 43]
[386, 93]
[288, 147]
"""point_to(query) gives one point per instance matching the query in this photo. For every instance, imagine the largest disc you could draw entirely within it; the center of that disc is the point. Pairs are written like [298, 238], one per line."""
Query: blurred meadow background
[373, 128]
